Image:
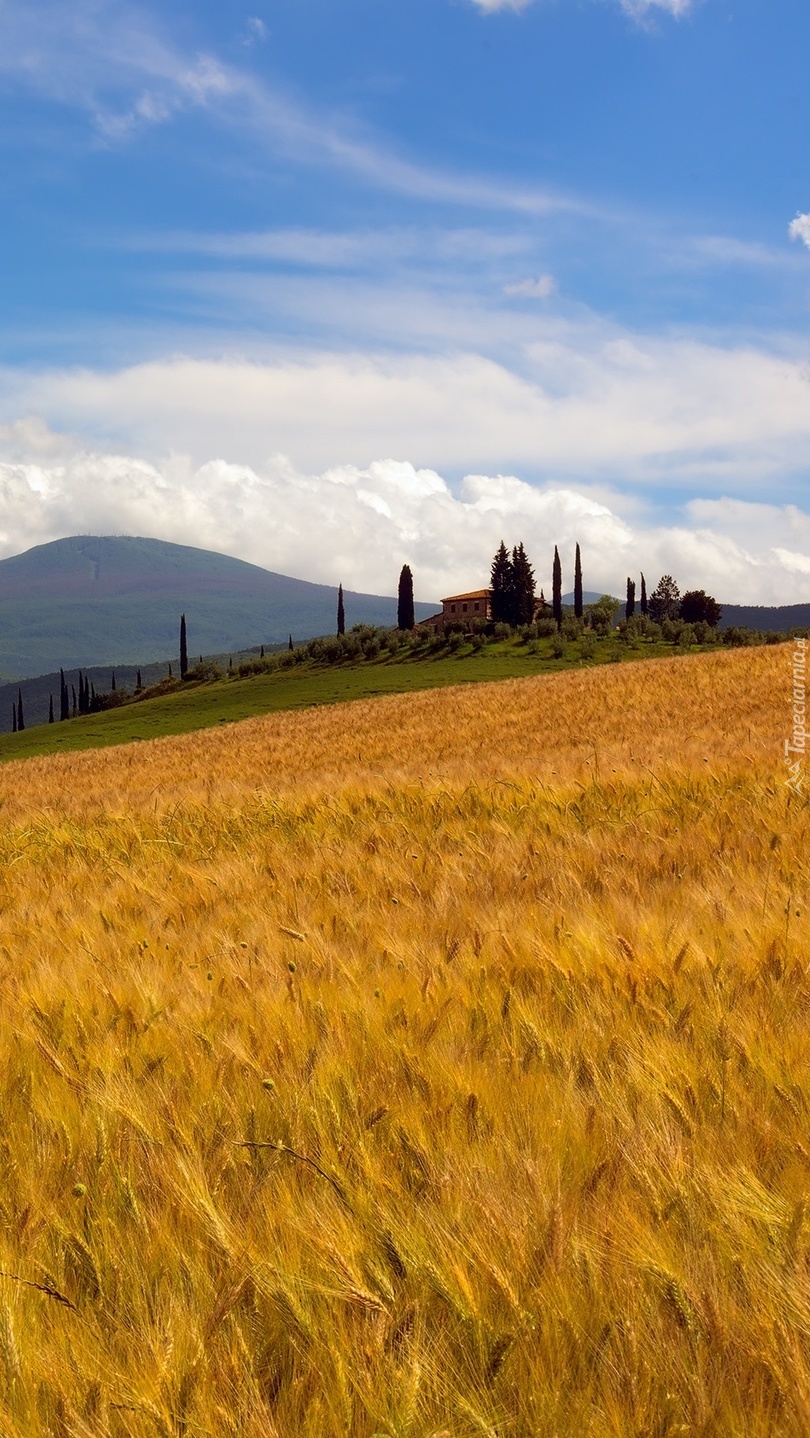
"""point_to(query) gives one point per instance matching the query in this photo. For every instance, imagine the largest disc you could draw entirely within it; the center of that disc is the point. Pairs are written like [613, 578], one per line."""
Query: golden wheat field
[430, 1067]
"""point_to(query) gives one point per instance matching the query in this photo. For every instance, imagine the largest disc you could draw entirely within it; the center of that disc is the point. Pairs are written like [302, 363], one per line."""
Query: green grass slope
[94, 600]
[185, 708]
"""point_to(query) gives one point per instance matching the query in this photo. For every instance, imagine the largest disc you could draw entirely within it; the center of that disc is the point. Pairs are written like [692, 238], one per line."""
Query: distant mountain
[98, 600]
[753, 616]
[589, 596]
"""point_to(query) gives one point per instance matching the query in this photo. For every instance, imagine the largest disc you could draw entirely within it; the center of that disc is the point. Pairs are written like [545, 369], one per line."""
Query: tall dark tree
[290, 645]
[578, 584]
[74, 708]
[665, 600]
[501, 585]
[522, 588]
[20, 715]
[643, 605]
[64, 699]
[50, 709]
[138, 682]
[697, 606]
[14, 718]
[405, 610]
[556, 589]
[341, 612]
[183, 648]
[630, 603]
[112, 683]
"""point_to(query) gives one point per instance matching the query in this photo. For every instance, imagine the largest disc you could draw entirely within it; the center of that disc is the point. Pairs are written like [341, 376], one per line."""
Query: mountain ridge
[92, 600]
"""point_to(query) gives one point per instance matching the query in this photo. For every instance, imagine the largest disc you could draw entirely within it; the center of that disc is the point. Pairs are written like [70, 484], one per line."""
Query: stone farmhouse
[460, 609]
[464, 608]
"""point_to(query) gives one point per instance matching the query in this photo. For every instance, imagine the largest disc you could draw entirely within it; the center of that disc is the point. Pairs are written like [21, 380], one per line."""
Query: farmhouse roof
[474, 594]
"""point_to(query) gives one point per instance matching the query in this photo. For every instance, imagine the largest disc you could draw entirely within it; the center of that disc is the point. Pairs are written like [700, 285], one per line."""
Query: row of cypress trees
[405, 605]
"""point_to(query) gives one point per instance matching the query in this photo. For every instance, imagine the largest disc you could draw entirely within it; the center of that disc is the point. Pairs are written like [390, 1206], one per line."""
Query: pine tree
[501, 586]
[64, 704]
[556, 589]
[522, 588]
[50, 709]
[183, 648]
[138, 682]
[665, 600]
[112, 685]
[405, 611]
[14, 718]
[643, 606]
[290, 645]
[630, 605]
[578, 585]
[341, 612]
[20, 715]
[171, 676]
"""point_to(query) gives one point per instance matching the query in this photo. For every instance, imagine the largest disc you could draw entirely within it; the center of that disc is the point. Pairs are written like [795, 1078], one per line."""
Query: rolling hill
[98, 600]
[434, 1065]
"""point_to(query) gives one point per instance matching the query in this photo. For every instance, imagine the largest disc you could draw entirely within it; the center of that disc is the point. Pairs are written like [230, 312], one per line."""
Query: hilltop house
[461, 608]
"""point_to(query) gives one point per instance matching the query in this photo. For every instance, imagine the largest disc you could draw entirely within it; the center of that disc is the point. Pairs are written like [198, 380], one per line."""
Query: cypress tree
[261, 656]
[74, 707]
[522, 605]
[50, 709]
[183, 648]
[578, 585]
[556, 589]
[112, 685]
[290, 645]
[170, 672]
[14, 718]
[643, 605]
[138, 682]
[20, 715]
[501, 586]
[630, 605]
[405, 613]
[64, 706]
[341, 612]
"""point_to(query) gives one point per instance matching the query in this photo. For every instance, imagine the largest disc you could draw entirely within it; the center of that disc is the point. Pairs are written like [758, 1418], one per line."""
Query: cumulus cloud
[800, 229]
[359, 524]
[538, 289]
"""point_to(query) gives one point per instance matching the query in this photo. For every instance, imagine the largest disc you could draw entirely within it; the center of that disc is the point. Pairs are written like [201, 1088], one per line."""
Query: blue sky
[337, 285]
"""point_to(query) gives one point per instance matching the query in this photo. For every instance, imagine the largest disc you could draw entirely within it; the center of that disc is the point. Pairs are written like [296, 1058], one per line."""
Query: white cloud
[800, 229]
[114, 61]
[489, 7]
[588, 403]
[358, 525]
[538, 289]
[256, 30]
[639, 8]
